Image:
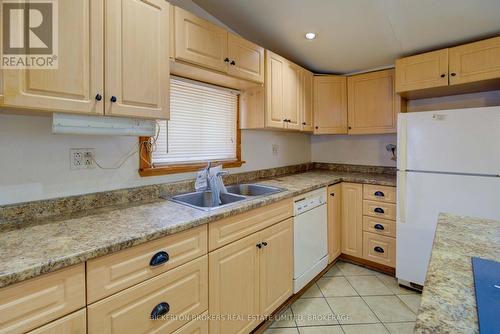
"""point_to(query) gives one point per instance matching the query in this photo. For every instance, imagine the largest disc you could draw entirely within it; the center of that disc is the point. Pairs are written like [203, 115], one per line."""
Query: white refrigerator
[448, 161]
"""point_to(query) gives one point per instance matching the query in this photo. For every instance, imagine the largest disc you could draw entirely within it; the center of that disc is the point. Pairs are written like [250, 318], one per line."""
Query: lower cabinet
[334, 221]
[75, 323]
[196, 326]
[250, 278]
[352, 219]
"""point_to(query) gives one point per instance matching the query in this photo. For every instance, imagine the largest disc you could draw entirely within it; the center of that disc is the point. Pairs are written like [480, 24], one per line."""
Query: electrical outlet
[276, 149]
[81, 158]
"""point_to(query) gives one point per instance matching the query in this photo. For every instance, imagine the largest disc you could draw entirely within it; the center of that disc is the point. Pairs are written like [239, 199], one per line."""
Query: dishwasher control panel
[309, 201]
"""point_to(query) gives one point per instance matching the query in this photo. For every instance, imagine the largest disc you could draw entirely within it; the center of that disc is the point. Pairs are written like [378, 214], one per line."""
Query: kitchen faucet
[215, 184]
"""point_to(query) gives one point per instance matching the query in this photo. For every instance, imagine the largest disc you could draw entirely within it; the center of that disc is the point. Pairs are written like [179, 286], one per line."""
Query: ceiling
[356, 35]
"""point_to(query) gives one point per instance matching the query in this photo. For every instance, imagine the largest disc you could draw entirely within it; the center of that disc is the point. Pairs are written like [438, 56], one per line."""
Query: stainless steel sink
[252, 190]
[203, 200]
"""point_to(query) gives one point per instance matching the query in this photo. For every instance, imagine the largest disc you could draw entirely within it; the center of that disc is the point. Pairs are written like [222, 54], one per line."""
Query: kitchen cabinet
[276, 68]
[251, 276]
[74, 85]
[379, 249]
[475, 62]
[246, 59]
[427, 70]
[196, 326]
[292, 96]
[330, 105]
[352, 219]
[372, 103]
[334, 221]
[307, 93]
[74, 323]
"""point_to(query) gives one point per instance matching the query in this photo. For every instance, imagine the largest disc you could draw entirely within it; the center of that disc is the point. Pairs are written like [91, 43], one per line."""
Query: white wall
[357, 150]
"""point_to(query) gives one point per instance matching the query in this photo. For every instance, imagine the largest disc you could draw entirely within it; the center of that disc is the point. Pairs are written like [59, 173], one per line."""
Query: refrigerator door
[454, 141]
[421, 197]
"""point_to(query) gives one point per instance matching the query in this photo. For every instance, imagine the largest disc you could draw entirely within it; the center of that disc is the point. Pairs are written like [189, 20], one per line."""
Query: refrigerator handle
[402, 142]
[401, 198]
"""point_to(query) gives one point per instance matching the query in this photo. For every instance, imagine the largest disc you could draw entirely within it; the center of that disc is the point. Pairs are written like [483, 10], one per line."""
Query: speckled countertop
[54, 243]
[448, 301]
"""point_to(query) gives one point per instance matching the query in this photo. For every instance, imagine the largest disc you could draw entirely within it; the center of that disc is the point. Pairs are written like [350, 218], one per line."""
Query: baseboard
[369, 264]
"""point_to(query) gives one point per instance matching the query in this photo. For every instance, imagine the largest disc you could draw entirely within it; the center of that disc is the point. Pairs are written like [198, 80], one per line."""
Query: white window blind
[202, 124]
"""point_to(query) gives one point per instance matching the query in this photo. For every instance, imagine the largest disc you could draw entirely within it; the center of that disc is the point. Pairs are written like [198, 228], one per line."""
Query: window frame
[147, 168]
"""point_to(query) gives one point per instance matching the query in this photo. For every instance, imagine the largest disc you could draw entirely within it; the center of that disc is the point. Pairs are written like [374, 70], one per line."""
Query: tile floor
[350, 299]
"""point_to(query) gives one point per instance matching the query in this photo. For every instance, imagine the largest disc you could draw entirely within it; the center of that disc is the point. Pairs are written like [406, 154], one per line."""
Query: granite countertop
[54, 243]
[448, 300]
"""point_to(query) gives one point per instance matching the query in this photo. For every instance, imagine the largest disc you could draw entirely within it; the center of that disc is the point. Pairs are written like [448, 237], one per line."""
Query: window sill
[185, 168]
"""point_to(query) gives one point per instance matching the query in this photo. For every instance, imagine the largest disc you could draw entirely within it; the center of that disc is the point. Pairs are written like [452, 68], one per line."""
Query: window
[203, 127]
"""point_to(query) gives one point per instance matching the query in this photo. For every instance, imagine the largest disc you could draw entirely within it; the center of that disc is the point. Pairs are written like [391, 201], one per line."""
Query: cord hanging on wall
[392, 148]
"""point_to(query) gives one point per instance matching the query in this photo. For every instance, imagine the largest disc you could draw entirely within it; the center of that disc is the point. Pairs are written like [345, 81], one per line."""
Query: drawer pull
[379, 194]
[259, 245]
[378, 249]
[159, 258]
[264, 243]
[379, 227]
[379, 210]
[160, 310]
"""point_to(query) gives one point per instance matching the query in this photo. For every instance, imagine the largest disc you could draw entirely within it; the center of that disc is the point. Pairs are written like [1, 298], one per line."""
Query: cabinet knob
[160, 310]
[379, 194]
[332, 194]
[349, 128]
[443, 75]
[98, 97]
[378, 210]
[113, 99]
[159, 258]
[316, 127]
[233, 62]
[264, 243]
[453, 74]
[226, 60]
[304, 123]
[379, 227]
[259, 246]
[378, 249]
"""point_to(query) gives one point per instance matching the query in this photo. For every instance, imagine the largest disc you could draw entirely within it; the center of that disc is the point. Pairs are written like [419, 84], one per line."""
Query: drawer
[112, 273]
[379, 210]
[379, 193]
[380, 249]
[38, 301]
[181, 293]
[379, 226]
[230, 229]
[74, 323]
[196, 326]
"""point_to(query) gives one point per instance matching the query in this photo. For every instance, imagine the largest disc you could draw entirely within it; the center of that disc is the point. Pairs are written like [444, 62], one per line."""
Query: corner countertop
[448, 301]
[51, 244]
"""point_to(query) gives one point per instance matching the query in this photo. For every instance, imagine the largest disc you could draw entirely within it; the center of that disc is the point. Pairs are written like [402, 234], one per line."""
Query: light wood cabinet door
[276, 266]
[200, 42]
[74, 323]
[379, 249]
[196, 326]
[475, 61]
[334, 221]
[427, 70]
[234, 286]
[292, 96]
[307, 86]
[177, 294]
[352, 219]
[330, 105]
[137, 67]
[73, 86]
[246, 59]
[372, 103]
[275, 77]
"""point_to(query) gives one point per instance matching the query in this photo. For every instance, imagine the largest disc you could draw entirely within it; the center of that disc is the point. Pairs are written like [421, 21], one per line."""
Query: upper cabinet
[137, 68]
[204, 44]
[130, 79]
[461, 69]
[307, 90]
[292, 96]
[372, 103]
[276, 69]
[330, 104]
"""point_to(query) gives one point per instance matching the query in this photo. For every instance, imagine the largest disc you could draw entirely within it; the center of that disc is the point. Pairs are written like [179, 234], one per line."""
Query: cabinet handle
[159, 258]
[379, 194]
[443, 75]
[332, 194]
[98, 97]
[160, 310]
[378, 249]
[113, 99]
[349, 128]
[264, 243]
[233, 62]
[226, 60]
[259, 246]
[316, 127]
[378, 210]
[379, 227]
[304, 123]
[453, 74]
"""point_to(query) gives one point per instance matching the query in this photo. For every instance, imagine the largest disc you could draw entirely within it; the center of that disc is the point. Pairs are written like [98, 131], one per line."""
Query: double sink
[202, 200]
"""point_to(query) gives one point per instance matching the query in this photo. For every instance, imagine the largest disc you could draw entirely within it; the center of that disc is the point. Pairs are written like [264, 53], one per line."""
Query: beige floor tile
[389, 308]
[365, 329]
[313, 311]
[336, 287]
[282, 331]
[352, 310]
[392, 284]
[401, 327]
[349, 269]
[368, 286]
[334, 271]
[284, 319]
[321, 330]
[312, 292]
[412, 301]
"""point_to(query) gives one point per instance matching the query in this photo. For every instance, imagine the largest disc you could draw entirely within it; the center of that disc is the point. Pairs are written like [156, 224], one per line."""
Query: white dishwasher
[310, 237]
